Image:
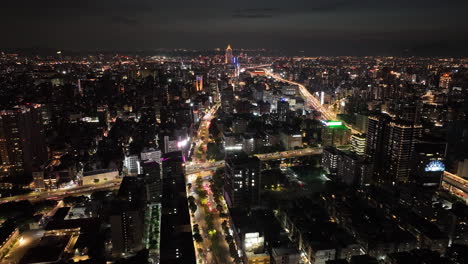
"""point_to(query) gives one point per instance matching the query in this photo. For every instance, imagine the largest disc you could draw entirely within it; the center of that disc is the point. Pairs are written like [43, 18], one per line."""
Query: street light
[21, 241]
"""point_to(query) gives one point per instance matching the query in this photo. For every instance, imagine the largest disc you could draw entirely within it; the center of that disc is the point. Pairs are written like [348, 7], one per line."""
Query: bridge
[197, 167]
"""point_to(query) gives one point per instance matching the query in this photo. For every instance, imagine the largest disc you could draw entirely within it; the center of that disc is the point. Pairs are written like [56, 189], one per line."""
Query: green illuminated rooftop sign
[333, 123]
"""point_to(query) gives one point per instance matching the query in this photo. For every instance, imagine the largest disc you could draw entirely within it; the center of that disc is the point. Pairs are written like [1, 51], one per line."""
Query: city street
[214, 250]
[203, 134]
[211, 253]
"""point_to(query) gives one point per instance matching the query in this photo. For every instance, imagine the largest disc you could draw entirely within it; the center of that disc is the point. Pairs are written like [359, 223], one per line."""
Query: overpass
[61, 193]
[289, 154]
[254, 66]
[194, 167]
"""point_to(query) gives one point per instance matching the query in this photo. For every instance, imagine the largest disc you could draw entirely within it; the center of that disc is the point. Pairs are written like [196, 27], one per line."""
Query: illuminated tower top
[228, 55]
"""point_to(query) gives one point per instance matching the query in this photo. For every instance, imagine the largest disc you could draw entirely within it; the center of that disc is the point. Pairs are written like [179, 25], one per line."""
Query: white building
[358, 143]
[151, 155]
[290, 140]
[132, 165]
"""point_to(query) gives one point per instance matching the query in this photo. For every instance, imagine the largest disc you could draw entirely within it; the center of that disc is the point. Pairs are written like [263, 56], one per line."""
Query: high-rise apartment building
[358, 144]
[153, 181]
[22, 141]
[375, 141]
[242, 180]
[353, 170]
[127, 227]
[330, 159]
[176, 232]
[400, 140]
[390, 147]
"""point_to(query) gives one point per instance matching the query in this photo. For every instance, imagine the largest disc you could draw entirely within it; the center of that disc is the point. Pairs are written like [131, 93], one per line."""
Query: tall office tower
[199, 83]
[400, 139]
[228, 55]
[242, 181]
[444, 82]
[227, 99]
[282, 108]
[22, 140]
[358, 144]
[127, 225]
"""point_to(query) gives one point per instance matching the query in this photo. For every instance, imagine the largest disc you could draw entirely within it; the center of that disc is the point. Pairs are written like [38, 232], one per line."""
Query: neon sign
[435, 165]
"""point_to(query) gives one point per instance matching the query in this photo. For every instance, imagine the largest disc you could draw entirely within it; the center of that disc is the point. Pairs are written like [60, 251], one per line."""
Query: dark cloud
[255, 12]
[254, 15]
[125, 21]
[329, 26]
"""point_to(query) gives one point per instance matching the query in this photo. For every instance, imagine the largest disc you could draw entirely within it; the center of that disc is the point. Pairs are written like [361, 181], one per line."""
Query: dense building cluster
[234, 156]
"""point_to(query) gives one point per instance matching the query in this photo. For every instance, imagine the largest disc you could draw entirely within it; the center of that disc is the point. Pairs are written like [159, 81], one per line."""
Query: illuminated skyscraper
[445, 82]
[22, 141]
[199, 83]
[228, 56]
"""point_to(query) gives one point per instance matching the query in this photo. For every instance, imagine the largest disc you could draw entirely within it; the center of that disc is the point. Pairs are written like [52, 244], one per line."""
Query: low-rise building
[291, 139]
[285, 255]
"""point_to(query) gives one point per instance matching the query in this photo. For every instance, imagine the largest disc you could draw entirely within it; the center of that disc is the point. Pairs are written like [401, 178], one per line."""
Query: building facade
[242, 180]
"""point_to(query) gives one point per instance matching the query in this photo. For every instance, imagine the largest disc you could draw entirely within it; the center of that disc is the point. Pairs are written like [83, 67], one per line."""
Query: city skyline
[337, 27]
[234, 132]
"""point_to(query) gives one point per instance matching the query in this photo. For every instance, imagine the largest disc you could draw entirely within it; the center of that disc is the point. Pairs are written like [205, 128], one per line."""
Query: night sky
[318, 27]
